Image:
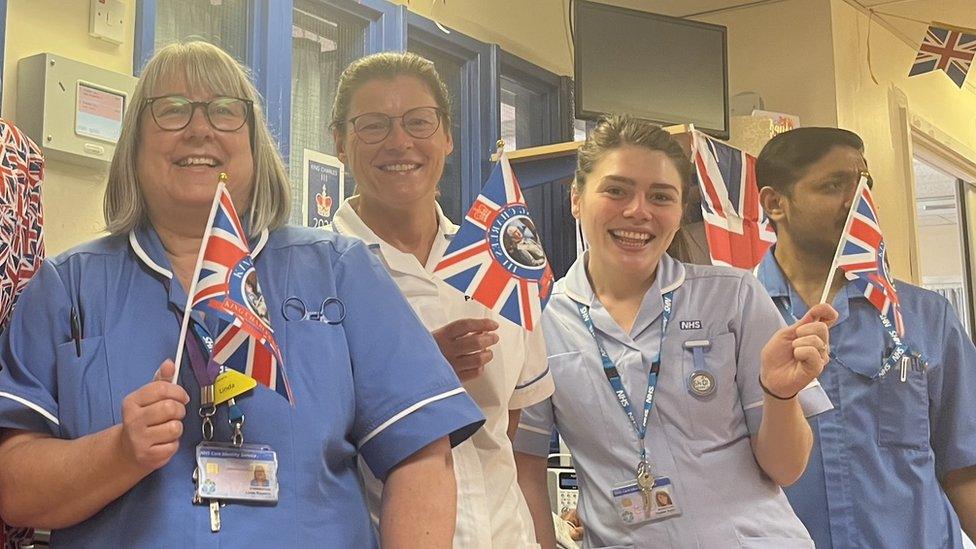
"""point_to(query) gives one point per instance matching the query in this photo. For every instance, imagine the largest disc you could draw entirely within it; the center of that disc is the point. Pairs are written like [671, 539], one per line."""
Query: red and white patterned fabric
[21, 240]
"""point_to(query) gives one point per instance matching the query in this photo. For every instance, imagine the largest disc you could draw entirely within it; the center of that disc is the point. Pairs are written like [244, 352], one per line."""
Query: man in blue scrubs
[894, 463]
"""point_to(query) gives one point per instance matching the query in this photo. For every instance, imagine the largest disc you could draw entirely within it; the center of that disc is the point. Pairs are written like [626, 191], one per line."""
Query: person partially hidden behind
[894, 463]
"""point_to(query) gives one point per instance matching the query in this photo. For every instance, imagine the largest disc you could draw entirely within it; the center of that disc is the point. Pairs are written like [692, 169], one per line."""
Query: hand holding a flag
[465, 344]
[796, 355]
[152, 420]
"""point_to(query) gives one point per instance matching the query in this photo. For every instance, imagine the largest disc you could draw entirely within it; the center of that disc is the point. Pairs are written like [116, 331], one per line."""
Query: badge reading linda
[514, 241]
[701, 383]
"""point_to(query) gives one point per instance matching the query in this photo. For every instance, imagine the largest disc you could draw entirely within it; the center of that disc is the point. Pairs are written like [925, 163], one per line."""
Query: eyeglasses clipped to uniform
[174, 112]
[418, 122]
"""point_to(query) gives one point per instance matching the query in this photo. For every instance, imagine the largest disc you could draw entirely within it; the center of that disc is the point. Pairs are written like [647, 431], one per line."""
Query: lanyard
[900, 350]
[205, 371]
[613, 376]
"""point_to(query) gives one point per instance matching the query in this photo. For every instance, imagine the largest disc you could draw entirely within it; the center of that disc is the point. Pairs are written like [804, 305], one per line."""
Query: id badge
[636, 506]
[248, 473]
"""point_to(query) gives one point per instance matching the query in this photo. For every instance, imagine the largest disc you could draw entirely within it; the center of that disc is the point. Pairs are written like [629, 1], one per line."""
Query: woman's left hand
[797, 354]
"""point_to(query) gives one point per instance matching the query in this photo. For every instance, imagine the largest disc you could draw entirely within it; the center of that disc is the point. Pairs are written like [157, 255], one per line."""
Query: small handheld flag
[497, 258]
[861, 255]
[225, 284]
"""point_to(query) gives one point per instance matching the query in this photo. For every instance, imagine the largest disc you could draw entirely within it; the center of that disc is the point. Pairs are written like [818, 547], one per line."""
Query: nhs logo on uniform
[690, 324]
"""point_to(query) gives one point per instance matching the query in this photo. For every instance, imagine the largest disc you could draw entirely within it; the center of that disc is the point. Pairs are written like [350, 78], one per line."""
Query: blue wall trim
[269, 55]
[145, 35]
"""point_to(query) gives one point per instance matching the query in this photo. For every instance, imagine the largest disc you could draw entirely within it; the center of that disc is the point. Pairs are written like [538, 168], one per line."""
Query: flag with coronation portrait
[496, 258]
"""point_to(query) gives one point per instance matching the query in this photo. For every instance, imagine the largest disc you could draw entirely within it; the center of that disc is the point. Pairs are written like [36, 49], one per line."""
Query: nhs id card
[248, 473]
[636, 506]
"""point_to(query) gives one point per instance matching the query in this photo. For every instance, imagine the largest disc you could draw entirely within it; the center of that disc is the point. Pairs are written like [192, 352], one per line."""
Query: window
[941, 222]
[324, 42]
[220, 22]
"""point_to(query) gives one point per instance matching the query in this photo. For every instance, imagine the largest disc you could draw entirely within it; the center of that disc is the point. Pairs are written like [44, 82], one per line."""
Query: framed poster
[322, 188]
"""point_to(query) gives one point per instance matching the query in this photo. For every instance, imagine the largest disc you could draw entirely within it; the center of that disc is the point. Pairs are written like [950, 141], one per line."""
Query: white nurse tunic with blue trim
[702, 443]
[491, 509]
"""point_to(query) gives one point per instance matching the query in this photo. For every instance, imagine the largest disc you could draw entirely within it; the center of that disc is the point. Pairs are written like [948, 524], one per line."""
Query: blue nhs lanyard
[613, 376]
[900, 350]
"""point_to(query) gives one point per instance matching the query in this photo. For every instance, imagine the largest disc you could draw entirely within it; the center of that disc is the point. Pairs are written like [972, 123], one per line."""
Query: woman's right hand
[464, 343]
[152, 420]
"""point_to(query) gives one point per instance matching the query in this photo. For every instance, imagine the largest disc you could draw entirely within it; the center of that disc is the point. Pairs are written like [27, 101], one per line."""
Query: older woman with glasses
[100, 446]
[392, 125]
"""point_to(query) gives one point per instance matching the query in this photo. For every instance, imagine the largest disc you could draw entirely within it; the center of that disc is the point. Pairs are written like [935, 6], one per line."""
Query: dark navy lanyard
[613, 376]
[900, 350]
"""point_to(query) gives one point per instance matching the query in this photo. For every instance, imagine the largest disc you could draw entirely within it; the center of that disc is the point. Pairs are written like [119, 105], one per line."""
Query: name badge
[636, 505]
[248, 473]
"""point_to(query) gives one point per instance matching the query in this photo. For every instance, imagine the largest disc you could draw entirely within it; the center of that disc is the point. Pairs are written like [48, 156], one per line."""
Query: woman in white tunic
[689, 447]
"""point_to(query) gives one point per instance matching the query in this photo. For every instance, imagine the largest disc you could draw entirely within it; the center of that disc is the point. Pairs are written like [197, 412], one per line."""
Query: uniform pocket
[903, 409]
[585, 398]
[715, 412]
[85, 403]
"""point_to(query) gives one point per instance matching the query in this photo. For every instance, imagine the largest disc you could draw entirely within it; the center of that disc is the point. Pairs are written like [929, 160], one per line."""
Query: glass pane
[939, 240]
[450, 184]
[523, 114]
[323, 44]
[220, 22]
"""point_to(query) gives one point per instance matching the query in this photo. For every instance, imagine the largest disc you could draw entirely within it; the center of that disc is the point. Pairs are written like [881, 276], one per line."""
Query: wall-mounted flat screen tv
[659, 68]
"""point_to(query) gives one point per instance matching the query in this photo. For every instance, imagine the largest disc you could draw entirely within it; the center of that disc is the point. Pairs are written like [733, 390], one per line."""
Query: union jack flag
[496, 257]
[946, 49]
[737, 230]
[227, 286]
[861, 254]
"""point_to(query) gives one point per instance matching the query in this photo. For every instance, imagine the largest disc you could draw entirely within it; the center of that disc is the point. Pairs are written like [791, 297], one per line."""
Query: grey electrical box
[74, 111]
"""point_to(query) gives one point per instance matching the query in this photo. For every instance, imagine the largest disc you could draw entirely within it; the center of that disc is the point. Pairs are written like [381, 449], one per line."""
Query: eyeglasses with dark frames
[174, 112]
[419, 122]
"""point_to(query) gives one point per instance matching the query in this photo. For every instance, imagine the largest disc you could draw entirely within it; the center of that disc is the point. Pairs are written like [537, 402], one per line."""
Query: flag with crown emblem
[496, 258]
[227, 286]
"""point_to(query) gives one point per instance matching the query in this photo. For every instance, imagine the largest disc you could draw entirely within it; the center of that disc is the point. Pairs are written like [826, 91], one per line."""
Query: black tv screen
[664, 69]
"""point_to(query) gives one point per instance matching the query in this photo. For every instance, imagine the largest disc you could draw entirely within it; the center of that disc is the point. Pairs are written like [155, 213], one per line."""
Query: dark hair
[786, 156]
[616, 131]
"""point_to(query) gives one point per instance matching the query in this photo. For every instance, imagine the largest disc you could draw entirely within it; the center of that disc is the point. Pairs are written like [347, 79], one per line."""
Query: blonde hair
[202, 66]
[387, 66]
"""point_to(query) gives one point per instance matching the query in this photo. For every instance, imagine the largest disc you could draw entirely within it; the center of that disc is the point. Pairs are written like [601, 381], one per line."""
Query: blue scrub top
[878, 456]
[375, 386]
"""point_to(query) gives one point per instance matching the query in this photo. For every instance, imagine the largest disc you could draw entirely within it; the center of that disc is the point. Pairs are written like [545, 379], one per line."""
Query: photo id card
[248, 473]
[636, 506]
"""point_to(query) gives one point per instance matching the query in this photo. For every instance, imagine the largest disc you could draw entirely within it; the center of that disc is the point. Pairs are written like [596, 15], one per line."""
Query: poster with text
[322, 184]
